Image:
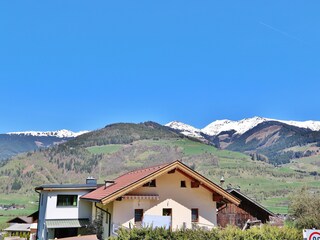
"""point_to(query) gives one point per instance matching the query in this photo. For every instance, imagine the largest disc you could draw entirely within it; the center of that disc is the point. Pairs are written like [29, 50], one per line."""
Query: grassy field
[309, 164]
[191, 148]
[30, 202]
[277, 204]
[105, 149]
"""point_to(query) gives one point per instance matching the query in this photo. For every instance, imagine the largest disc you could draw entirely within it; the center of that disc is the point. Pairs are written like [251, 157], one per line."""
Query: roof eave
[64, 188]
[91, 199]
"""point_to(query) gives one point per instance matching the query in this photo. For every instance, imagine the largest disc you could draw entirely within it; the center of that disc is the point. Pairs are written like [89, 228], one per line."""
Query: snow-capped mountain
[239, 127]
[262, 138]
[185, 129]
[312, 125]
[13, 143]
[59, 134]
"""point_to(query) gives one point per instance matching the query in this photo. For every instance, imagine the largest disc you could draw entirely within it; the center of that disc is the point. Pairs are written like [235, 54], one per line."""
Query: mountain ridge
[63, 133]
[240, 126]
[14, 143]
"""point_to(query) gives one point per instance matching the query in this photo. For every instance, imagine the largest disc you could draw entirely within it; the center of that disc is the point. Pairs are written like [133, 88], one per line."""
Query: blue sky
[83, 64]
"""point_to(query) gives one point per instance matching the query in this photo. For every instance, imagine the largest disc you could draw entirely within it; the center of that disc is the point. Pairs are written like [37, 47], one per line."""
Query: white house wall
[49, 210]
[171, 195]
[67, 212]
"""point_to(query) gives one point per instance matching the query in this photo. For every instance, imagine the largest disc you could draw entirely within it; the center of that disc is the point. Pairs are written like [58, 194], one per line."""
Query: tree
[96, 227]
[304, 209]
[16, 185]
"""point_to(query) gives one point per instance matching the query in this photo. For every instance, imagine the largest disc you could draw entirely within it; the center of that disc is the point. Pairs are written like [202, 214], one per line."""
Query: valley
[108, 152]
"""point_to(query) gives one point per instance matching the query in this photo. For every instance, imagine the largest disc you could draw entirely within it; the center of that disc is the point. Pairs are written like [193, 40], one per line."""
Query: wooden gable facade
[231, 214]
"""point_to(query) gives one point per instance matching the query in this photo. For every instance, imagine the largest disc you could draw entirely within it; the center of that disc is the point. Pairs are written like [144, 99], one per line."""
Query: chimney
[108, 183]
[221, 181]
[91, 181]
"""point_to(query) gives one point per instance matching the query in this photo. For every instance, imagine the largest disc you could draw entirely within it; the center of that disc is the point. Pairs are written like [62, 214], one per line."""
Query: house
[61, 211]
[32, 218]
[23, 225]
[25, 230]
[238, 215]
[170, 195]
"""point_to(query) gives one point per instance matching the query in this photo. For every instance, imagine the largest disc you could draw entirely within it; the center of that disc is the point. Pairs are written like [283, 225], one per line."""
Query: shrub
[266, 232]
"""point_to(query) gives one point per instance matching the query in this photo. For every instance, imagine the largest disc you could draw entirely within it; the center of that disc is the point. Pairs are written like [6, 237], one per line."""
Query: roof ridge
[144, 169]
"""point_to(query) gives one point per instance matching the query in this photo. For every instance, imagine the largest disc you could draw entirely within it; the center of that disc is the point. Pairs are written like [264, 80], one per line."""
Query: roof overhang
[251, 200]
[64, 188]
[18, 227]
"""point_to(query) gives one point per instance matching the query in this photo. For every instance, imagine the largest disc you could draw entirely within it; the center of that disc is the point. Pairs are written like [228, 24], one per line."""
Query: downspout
[108, 216]
[38, 211]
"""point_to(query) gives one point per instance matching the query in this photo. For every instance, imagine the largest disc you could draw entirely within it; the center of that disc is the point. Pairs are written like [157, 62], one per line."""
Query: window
[194, 215]
[166, 212]
[138, 214]
[150, 184]
[183, 184]
[67, 200]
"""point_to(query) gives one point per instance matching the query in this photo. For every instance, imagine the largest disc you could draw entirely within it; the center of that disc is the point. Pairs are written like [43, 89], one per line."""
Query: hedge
[266, 232]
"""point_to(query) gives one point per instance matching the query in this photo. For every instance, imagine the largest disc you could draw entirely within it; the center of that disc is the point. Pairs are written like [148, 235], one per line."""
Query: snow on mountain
[246, 124]
[185, 129]
[312, 125]
[59, 134]
[240, 127]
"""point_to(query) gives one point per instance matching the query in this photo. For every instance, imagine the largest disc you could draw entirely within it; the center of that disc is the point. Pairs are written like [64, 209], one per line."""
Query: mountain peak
[240, 127]
[185, 129]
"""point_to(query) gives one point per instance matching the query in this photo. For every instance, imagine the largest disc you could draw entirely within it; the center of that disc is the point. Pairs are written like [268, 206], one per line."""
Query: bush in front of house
[266, 232]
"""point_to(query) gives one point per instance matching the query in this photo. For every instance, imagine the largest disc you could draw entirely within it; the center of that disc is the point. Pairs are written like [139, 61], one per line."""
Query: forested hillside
[272, 140]
[11, 145]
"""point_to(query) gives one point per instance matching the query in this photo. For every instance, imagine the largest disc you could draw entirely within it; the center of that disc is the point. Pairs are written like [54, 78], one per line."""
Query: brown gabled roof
[132, 180]
[121, 182]
[241, 196]
[21, 219]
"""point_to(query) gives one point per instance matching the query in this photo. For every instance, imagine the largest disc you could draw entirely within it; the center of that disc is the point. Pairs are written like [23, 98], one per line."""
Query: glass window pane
[138, 214]
[194, 215]
[67, 200]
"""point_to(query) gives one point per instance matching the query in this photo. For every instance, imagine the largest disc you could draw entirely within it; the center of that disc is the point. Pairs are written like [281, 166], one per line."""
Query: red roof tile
[122, 182]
